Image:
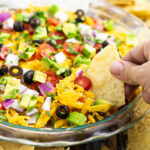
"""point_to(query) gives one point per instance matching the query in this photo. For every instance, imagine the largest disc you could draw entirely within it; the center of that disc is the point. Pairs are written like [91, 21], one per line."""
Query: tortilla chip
[26, 147]
[104, 84]
[4, 145]
[122, 2]
[1, 148]
[49, 148]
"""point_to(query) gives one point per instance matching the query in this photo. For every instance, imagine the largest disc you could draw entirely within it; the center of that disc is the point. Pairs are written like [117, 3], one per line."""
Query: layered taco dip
[54, 67]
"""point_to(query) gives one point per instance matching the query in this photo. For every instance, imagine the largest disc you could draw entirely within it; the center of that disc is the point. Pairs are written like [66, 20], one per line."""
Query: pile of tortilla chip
[4, 145]
[139, 8]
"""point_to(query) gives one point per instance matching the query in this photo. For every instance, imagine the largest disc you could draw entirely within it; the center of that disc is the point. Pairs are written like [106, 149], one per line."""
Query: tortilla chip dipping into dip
[104, 84]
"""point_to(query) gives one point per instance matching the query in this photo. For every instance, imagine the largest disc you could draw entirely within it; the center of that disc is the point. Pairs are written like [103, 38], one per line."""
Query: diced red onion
[20, 52]
[31, 92]
[79, 72]
[47, 104]
[94, 33]
[32, 120]
[111, 39]
[22, 89]
[32, 112]
[46, 87]
[16, 106]
[1, 87]
[4, 16]
[99, 26]
[7, 103]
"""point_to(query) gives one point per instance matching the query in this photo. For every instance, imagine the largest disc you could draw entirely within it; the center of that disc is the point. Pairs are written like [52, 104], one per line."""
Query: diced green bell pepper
[28, 53]
[131, 40]
[32, 103]
[89, 51]
[109, 25]
[10, 92]
[39, 77]
[4, 37]
[101, 101]
[48, 63]
[25, 100]
[69, 28]
[77, 118]
[53, 9]
[22, 17]
[40, 33]
[80, 59]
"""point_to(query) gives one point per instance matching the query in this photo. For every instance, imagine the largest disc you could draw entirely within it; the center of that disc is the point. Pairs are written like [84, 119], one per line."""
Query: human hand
[134, 70]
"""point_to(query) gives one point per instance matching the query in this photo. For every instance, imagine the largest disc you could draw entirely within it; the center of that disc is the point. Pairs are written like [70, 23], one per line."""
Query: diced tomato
[3, 53]
[31, 31]
[53, 21]
[1, 106]
[19, 10]
[6, 30]
[29, 28]
[81, 49]
[35, 85]
[26, 26]
[99, 26]
[45, 50]
[84, 82]
[52, 78]
[97, 46]
[74, 47]
[61, 34]
[82, 99]
[95, 20]
[33, 57]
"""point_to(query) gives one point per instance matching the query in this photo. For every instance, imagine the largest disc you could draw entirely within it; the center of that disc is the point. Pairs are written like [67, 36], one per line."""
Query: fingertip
[116, 68]
[146, 96]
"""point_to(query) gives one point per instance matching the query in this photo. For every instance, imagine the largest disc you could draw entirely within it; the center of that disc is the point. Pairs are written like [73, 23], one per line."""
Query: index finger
[139, 54]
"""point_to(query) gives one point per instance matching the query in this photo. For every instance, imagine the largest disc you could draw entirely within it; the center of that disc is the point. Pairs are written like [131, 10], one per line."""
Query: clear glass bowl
[110, 126]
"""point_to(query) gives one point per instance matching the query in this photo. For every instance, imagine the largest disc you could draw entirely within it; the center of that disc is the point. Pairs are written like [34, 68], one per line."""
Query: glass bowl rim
[124, 109]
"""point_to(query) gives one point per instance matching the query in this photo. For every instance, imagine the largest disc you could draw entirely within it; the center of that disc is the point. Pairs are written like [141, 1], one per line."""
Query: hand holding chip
[134, 70]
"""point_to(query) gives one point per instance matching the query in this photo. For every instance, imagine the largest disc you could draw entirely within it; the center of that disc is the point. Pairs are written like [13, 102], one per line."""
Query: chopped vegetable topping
[45, 53]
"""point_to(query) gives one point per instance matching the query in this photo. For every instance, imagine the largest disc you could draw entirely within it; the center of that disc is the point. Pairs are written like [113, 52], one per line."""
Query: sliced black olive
[12, 71]
[80, 19]
[18, 26]
[49, 42]
[35, 22]
[28, 77]
[99, 49]
[3, 70]
[104, 44]
[38, 41]
[47, 30]
[79, 13]
[62, 111]
[1, 25]
[1, 45]
[66, 73]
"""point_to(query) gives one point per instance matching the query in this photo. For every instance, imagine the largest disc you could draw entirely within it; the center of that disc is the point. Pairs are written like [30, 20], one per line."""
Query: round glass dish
[110, 126]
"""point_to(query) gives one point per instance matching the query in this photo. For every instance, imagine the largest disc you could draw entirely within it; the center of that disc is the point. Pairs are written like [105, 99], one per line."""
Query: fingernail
[116, 68]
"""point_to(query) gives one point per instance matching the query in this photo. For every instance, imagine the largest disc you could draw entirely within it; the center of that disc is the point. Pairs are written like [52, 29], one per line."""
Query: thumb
[126, 71]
